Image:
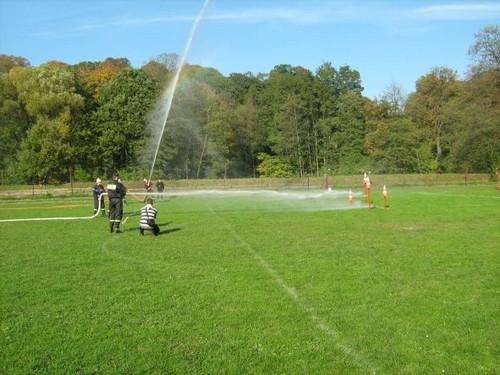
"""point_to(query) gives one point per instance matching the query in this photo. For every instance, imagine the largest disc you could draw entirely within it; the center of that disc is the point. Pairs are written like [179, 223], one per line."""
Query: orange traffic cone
[368, 188]
[384, 194]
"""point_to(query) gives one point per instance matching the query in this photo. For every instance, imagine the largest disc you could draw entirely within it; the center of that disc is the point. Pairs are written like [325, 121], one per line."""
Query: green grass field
[254, 283]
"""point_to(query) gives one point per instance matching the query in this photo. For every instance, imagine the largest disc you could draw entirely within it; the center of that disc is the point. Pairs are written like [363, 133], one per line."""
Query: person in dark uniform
[160, 186]
[116, 193]
[98, 198]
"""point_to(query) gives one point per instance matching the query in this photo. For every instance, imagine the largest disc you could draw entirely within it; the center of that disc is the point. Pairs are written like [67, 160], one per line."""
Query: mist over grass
[255, 283]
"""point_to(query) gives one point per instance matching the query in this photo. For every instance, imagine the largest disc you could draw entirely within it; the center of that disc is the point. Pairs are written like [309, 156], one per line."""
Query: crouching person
[148, 218]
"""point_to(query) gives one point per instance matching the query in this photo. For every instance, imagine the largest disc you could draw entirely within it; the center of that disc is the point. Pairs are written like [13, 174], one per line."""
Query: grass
[247, 284]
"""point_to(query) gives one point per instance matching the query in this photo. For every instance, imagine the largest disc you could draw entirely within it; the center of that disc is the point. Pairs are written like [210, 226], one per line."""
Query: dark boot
[111, 228]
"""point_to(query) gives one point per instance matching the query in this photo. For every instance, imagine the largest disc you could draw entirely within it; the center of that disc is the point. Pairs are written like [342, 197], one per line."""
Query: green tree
[286, 109]
[120, 120]
[476, 146]
[14, 122]
[47, 151]
[7, 62]
[346, 145]
[248, 141]
[47, 90]
[244, 93]
[50, 97]
[274, 166]
[339, 81]
[330, 118]
[429, 109]
[390, 141]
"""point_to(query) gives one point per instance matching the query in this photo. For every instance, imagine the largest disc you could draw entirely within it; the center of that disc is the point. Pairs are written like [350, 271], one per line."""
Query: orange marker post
[368, 187]
[365, 180]
[384, 194]
[351, 198]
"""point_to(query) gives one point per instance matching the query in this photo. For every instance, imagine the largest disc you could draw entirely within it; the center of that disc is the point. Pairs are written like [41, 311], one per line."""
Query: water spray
[169, 93]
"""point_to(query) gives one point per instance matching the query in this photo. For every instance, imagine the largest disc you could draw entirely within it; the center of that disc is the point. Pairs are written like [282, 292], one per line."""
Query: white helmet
[98, 181]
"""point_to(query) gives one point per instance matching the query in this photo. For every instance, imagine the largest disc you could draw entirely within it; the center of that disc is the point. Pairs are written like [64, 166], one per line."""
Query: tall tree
[96, 75]
[486, 48]
[286, 109]
[428, 107]
[50, 96]
[340, 81]
[249, 133]
[346, 145]
[47, 151]
[331, 86]
[14, 122]
[395, 97]
[390, 140]
[476, 146]
[121, 117]
[7, 62]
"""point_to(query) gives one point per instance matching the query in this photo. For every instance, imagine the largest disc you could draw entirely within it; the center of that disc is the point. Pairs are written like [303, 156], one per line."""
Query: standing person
[98, 190]
[148, 185]
[148, 218]
[160, 186]
[116, 193]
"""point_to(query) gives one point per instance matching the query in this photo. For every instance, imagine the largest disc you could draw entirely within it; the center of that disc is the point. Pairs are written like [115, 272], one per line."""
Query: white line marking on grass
[320, 323]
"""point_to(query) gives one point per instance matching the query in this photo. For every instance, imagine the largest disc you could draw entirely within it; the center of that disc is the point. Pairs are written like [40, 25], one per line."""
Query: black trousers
[115, 211]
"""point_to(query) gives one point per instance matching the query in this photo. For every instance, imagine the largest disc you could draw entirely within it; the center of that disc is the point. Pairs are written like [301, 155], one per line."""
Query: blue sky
[386, 41]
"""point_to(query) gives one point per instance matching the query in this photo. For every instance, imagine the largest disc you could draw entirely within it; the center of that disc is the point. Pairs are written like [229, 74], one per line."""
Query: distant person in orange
[148, 186]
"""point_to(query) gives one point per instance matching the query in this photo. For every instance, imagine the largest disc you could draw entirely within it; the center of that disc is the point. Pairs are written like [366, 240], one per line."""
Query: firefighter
[116, 193]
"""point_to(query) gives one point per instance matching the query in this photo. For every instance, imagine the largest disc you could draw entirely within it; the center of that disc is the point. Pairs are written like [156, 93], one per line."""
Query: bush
[274, 166]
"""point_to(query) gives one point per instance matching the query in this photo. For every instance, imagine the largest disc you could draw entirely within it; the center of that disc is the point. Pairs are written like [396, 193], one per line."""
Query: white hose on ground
[58, 218]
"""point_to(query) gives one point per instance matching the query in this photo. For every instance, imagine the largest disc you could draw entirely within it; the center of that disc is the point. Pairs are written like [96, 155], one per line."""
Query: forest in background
[61, 122]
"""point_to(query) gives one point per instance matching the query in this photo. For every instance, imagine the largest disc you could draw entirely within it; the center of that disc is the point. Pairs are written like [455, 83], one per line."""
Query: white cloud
[269, 14]
[136, 22]
[397, 17]
[458, 11]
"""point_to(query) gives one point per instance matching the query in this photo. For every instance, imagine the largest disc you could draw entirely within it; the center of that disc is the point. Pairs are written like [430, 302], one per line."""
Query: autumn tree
[7, 62]
[49, 95]
[96, 75]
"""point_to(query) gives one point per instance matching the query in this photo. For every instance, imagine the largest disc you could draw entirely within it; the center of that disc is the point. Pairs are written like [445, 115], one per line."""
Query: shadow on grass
[168, 231]
[161, 225]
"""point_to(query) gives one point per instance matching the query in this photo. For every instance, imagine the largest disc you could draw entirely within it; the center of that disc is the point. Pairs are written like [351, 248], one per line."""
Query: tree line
[66, 122]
